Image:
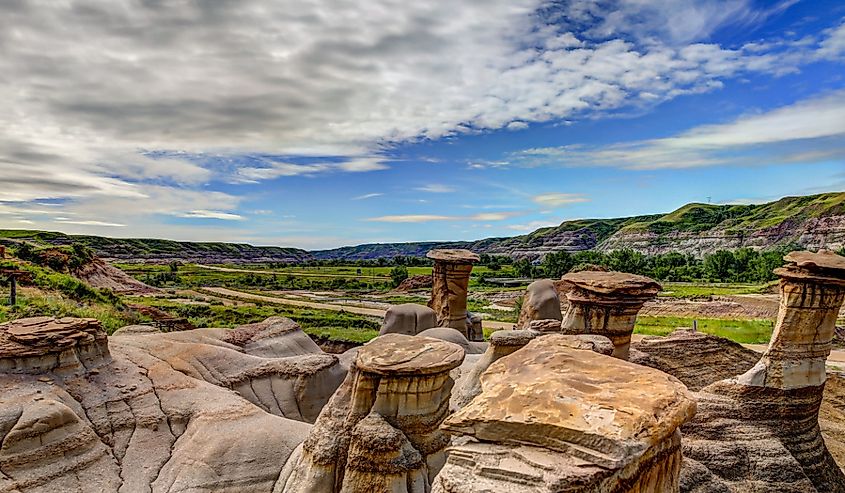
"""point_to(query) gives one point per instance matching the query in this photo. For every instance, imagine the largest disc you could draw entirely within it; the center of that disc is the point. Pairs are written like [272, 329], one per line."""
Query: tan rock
[606, 421]
[409, 319]
[540, 302]
[606, 303]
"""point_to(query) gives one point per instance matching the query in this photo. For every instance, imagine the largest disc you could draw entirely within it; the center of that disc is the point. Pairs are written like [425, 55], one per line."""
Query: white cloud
[88, 223]
[559, 199]
[811, 129]
[531, 226]
[367, 196]
[436, 188]
[425, 218]
[205, 214]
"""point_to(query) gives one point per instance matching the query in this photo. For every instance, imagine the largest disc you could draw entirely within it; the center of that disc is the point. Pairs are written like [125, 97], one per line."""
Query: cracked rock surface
[196, 411]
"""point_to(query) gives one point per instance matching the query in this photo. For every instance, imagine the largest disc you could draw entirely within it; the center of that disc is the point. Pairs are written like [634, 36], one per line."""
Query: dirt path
[288, 273]
[836, 356]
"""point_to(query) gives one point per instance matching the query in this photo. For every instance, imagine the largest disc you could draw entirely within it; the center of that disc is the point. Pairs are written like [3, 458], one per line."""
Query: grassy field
[741, 331]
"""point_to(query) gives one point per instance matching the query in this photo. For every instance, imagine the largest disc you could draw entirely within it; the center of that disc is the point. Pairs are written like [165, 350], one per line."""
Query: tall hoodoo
[380, 431]
[812, 288]
[450, 283]
[553, 418]
[765, 421]
[541, 302]
[606, 303]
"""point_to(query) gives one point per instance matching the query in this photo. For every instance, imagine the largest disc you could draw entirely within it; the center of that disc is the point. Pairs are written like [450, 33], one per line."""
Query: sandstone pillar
[765, 422]
[606, 303]
[380, 431]
[553, 418]
[450, 281]
[812, 287]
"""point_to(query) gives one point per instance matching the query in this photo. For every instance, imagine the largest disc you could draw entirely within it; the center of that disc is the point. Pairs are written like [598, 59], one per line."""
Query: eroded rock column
[607, 304]
[765, 422]
[450, 282]
[380, 432]
[541, 302]
[553, 418]
[812, 288]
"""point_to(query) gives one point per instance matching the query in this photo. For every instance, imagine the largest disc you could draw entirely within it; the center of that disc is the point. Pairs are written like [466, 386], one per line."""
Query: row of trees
[743, 265]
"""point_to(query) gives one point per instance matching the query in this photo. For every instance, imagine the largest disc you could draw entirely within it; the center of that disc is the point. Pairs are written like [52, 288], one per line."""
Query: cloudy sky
[322, 123]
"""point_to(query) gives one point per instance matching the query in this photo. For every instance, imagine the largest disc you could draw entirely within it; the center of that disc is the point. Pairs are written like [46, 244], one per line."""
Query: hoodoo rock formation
[380, 432]
[541, 302]
[450, 282]
[764, 423]
[553, 418]
[606, 303]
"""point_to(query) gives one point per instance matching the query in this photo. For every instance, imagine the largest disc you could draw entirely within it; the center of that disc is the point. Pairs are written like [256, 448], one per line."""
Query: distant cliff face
[811, 233]
[813, 222]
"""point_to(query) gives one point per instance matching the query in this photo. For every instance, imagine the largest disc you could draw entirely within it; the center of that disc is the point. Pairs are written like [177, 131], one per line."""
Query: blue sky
[334, 123]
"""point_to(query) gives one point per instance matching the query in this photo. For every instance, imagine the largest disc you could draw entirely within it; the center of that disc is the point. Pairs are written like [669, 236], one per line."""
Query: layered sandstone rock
[505, 342]
[450, 281]
[408, 319]
[606, 303]
[154, 412]
[764, 422]
[554, 418]
[541, 302]
[379, 433]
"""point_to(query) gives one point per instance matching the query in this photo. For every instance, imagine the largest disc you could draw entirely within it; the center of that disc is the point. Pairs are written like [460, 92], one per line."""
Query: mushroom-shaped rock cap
[613, 283]
[397, 354]
[595, 407]
[455, 256]
[824, 263]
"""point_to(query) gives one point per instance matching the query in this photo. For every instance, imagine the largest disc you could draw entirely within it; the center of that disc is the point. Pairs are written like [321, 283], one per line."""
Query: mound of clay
[414, 283]
[695, 358]
[101, 274]
[155, 411]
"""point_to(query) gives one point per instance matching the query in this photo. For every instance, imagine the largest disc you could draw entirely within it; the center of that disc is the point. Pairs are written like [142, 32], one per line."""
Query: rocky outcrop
[409, 319]
[553, 418]
[606, 303]
[100, 274]
[379, 432]
[764, 423]
[148, 411]
[540, 302]
[450, 282]
[414, 283]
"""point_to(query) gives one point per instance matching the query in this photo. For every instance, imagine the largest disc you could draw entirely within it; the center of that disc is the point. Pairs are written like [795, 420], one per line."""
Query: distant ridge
[812, 222]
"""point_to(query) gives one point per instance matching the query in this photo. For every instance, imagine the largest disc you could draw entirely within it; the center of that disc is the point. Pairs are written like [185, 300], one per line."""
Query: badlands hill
[812, 222]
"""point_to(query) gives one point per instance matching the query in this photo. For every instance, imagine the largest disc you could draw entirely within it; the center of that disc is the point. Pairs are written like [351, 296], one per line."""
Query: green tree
[398, 274]
[523, 267]
[719, 266]
[556, 264]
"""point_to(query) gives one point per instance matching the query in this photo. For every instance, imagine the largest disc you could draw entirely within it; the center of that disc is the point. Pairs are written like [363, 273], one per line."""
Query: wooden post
[13, 290]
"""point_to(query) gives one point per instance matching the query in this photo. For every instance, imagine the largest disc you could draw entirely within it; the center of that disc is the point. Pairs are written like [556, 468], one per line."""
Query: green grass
[33, 303]
[333, 325]
[741, 331]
